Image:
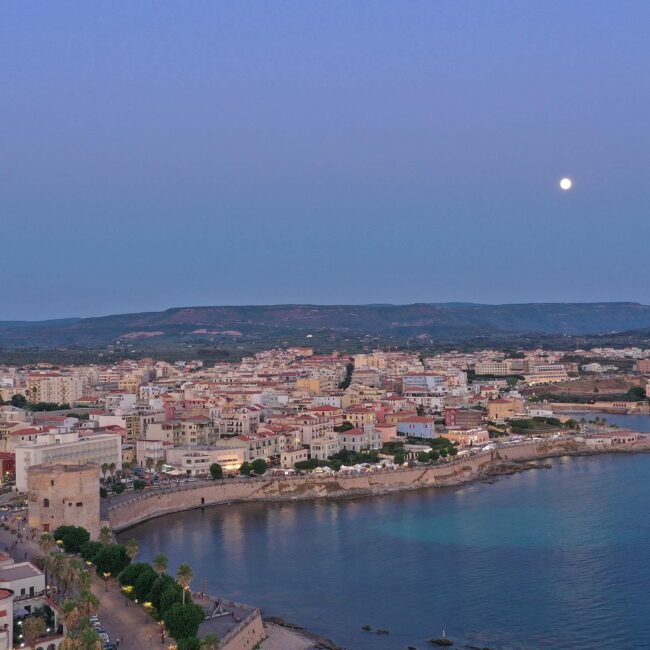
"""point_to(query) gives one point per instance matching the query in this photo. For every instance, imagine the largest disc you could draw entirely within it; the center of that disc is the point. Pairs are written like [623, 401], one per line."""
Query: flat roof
[19, 571]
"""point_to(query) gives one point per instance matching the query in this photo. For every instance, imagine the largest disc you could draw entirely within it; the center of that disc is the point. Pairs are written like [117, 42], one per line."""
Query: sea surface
[555, 558]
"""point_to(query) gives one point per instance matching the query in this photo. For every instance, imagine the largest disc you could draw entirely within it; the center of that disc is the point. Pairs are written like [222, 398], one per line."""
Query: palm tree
[88, 604]
[111, 468]
[132, 548]
[68, 574]
[210, 642]
[184, 577]
[76, 567]
[104, 469]
[105, 535]
[160, 564]
[84, 580]
[46, 543]
[33, 628]
[149, 463]
[70, 614]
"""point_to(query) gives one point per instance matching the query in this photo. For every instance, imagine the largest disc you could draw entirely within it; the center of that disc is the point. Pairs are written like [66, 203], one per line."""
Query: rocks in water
[445, 643]
[366, 628]
[382, 631]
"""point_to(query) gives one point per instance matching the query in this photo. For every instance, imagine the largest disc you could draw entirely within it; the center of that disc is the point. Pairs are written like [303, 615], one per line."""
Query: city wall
[152, 503]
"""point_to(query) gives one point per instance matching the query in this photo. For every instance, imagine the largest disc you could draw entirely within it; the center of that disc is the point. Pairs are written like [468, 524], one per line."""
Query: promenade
[128, 623]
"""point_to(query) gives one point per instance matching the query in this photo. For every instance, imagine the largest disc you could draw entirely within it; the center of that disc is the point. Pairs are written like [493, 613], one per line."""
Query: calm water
[544, 559]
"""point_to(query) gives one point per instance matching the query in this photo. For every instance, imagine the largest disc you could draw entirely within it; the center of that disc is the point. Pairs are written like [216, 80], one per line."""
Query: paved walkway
[128, 623]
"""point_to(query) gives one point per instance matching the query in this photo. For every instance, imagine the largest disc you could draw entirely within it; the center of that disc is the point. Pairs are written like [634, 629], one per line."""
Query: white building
[68, 448]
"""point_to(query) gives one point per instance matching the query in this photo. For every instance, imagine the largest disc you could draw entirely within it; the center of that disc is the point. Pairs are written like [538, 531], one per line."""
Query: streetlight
[107, 575]
[162, 632]
[147, 608]
[127, 589]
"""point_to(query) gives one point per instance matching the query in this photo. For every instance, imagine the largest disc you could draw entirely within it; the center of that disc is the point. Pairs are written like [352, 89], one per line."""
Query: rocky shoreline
[318, 642]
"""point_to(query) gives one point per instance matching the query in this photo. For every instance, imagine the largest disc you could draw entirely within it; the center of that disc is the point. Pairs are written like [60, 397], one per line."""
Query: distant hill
[275, 323]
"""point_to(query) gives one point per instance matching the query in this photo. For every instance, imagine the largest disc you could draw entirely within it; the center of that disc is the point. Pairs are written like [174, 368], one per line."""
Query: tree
[104, 469]
[139, 484]
[423, 457]
[172, 595]
[399, 458]
[111, 470]
[111, 558]
[72, 537]
[33, 628]
[82, 637]
[89, 550]
[132, 572]
[190, 644]
[259, 466]
[132, 548]
[118, 488]
[216, 472]
[419, 409]
[160, 585]
[19, 401]
[46, 543]
[105, 535]
[144, 583]
[160, 564]
[184, 576]
[434, 455]
[245, 468]
[210, 642]
[182, 620]
[88, 604]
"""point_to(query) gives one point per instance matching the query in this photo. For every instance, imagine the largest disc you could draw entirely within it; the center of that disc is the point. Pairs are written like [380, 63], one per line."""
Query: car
[104, 637]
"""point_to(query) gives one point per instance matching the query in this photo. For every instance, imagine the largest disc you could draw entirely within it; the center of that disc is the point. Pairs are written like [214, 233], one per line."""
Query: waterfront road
[130, 623]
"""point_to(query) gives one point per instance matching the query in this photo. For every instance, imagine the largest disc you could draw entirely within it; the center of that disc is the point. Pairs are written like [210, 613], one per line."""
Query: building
[468, 437]
[68, 448]
[323, 448]
[547, 374]
[417, 426]
[229, 457]
[54, 388]
[642, 365]
[358, 440]
[64, 494]
[463, 418]
[291, 456]
[500, 409]
[496, 368]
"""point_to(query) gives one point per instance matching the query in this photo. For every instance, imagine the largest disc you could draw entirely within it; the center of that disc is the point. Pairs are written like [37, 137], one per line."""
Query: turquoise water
[543, 559]
[633, 422]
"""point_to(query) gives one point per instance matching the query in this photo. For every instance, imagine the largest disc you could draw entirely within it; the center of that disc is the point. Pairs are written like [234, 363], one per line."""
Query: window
[79, 504]
[46, 503]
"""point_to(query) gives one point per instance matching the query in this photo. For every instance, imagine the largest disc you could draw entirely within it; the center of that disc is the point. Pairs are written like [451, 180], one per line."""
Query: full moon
[566, 184]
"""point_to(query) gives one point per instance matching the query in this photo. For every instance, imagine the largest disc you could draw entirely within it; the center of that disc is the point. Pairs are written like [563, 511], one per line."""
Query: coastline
[137, 510]
[283, 635]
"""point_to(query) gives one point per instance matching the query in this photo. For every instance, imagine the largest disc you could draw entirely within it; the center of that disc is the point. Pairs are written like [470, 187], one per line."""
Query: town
[77, 443]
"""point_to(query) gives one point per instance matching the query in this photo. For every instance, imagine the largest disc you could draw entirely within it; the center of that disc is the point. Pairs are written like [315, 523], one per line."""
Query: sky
[161, 154]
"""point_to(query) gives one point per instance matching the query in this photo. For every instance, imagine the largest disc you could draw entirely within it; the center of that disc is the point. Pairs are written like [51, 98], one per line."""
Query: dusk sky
[160, 154]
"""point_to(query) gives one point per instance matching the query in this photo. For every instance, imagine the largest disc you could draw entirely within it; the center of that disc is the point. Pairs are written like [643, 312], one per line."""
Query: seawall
[155, 503]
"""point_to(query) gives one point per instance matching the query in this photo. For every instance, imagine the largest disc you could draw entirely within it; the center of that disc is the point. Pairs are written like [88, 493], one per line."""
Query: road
[126, 622]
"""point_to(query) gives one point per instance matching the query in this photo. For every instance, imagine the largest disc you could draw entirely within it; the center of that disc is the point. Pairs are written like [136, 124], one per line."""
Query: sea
[549, 558]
